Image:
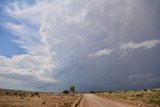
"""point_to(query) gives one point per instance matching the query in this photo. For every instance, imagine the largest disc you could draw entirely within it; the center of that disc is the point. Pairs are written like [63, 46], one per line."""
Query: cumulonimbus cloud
[58, 35]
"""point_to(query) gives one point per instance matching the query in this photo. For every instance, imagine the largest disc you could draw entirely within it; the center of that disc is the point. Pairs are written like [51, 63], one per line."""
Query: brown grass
[145, 98]
[15, 98]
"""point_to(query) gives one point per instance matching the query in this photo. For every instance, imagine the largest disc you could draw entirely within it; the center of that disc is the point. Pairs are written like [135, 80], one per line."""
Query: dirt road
[90, 100]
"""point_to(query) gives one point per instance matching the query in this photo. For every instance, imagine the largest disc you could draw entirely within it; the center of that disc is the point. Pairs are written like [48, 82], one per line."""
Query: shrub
[43, 102]
[7, 93]
[32, 94]
[65, 92]
[110, 92]
[16, 94]
[37, 94]
[144, 89]
[22, 95]
[153, 90]
[92, 92]
[139, 95]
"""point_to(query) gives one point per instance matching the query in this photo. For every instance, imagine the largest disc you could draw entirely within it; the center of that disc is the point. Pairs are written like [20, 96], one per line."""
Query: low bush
[65, 92]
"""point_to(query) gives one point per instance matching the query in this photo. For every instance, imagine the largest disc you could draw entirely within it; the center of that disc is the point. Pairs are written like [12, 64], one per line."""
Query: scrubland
[139, 98]
[17, 98]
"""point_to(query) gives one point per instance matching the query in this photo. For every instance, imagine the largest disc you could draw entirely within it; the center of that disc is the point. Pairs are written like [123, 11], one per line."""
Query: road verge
[76, 103]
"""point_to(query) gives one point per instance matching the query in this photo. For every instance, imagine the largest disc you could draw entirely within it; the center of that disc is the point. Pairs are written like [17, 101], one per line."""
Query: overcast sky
[49, 45]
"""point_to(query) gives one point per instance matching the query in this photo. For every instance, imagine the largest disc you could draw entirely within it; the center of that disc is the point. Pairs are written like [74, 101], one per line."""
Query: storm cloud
[92, 44]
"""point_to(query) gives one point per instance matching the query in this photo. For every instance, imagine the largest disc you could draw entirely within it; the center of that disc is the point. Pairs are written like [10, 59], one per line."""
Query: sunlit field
[145, 97]
[14, 98]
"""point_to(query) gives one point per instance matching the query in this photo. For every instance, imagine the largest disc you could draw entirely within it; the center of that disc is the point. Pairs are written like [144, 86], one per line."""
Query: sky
[50, 45]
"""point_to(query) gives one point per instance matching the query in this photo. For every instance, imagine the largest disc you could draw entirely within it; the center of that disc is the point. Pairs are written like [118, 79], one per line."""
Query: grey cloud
[140, 75]
[75, 29]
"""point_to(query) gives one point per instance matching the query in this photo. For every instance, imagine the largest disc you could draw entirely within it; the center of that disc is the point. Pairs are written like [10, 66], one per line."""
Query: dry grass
[143, 98]
[13, 98]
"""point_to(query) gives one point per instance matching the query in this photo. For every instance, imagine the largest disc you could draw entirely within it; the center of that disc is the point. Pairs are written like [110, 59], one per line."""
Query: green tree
[72, 89]
[92, 92]
[65, 92]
